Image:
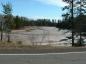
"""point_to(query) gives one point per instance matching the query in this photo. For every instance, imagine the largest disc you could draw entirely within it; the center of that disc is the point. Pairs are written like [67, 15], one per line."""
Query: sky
[36, 9]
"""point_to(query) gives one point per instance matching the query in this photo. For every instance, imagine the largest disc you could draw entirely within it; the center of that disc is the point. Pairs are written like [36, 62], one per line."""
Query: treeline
[79, 24]
[20, 22]
[23, 21]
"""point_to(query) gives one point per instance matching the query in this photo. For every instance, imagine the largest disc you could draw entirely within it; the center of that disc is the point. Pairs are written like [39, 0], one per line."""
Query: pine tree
[7, 10]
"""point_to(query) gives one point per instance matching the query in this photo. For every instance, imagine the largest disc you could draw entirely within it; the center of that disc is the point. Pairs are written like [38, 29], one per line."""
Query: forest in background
[20, 22]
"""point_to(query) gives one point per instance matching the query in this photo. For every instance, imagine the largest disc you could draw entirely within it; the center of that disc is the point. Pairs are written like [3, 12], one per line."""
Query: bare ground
[39, 49]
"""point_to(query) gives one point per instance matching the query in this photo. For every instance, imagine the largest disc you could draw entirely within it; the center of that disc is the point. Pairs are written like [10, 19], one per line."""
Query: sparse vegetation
[19, 42]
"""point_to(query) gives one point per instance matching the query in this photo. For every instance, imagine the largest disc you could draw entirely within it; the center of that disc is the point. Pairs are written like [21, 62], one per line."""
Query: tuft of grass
[19, 42]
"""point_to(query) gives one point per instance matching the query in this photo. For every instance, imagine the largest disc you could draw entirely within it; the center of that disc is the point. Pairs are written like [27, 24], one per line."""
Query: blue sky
[50, 9]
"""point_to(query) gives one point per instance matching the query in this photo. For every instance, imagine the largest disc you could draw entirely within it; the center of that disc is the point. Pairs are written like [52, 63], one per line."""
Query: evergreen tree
[70, 12]
[7, 10]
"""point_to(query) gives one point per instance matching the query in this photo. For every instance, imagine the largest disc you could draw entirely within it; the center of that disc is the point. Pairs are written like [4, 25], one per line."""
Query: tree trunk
[1, 31]
[8, 35]
[80, 44]
[72, 25]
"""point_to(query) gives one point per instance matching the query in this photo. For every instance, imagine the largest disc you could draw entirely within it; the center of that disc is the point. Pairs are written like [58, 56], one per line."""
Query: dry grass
[19, 45]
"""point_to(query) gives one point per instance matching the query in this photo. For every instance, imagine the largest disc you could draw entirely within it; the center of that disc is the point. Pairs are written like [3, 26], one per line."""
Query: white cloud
[59, 3]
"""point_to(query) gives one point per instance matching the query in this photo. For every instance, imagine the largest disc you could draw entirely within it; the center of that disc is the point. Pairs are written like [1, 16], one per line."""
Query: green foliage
[74, 19]
[17, 22]
[7, 8]
[79, 24]
[7, 13]
[20, 22]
